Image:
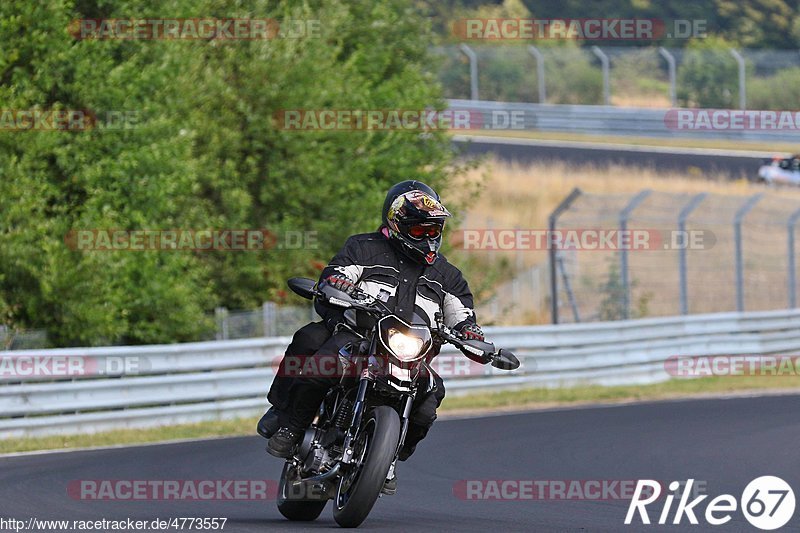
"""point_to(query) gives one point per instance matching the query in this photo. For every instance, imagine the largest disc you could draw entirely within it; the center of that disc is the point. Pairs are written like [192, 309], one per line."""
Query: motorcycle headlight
[405, 342]
[405, 347]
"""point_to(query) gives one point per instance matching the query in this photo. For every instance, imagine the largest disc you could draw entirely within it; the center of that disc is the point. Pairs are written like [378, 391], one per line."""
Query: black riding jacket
[413, 291]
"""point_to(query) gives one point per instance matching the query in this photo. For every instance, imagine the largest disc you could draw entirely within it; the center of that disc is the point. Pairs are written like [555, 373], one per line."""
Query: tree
[205, 152]
[708, 75]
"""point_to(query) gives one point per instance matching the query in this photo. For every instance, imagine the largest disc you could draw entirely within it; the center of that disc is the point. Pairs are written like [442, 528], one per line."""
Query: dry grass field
[516, 196]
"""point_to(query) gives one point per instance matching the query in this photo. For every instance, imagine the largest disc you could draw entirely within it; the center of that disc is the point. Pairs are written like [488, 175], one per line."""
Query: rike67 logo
[767, 503]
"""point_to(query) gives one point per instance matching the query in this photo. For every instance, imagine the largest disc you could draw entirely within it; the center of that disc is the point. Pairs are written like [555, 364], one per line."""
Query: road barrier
[85, 390]
[603, 120]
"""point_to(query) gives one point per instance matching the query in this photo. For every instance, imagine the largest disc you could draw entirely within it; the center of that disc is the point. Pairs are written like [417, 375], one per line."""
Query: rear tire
[381, 431]
[296, 510]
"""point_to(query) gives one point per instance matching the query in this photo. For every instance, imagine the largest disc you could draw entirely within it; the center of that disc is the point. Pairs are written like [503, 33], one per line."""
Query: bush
[781, 91]
[708, 75]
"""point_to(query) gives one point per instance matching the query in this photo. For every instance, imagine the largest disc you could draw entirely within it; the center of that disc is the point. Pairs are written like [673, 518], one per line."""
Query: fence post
[552, 220]
[624, 215]
[792, 265]
[606, 75]
[684, 214]
[515, 281]
[269, 314]
[473, 70]
[221, 318]
[742, 78]
[737, 237]
[568, 288]
[673, 94]
[540, 79]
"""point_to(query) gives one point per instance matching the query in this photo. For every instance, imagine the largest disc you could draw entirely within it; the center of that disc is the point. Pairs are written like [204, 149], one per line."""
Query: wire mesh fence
[269, 321]
[685, 253]
[11, 339]
[637, 76]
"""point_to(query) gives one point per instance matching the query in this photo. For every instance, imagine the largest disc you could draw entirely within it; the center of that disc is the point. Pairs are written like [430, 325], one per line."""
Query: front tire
[377, 443]
[296, 510]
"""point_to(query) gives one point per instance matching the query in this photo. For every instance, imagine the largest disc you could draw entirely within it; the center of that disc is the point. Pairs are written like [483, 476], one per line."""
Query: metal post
[269, 315]
[624, 215]
[737, 237]
[606, 75]
[670, 59]
[682, 216]
[473, 70]
[792, 261]
[221, 316]
[570, 295]
[552, 220]
[742, 81]
[539, 73]
[517, 296]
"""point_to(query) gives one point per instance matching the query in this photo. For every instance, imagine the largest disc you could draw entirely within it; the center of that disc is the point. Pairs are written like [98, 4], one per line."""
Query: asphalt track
[694, 162]
[723, 442]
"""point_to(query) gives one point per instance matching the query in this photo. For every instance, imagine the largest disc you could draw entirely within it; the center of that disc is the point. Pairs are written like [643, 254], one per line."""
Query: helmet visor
[424, 231]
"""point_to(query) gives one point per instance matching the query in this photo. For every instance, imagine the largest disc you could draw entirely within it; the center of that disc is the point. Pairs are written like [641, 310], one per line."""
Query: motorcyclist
[398, 264]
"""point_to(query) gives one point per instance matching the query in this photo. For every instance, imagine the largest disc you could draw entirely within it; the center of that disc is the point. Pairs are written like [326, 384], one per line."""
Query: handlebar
[361, 301]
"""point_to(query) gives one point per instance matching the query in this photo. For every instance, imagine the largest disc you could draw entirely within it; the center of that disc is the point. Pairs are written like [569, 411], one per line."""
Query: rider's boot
[283, 442]
[269, 423]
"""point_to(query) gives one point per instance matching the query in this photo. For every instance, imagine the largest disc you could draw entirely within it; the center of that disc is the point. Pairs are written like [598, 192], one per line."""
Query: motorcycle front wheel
[374, 451]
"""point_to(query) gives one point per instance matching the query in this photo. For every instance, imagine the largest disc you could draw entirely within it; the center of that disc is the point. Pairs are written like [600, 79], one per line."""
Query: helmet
[415, 219]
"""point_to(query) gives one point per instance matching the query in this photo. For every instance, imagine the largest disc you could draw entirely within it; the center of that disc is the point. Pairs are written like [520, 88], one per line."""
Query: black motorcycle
[353, 443]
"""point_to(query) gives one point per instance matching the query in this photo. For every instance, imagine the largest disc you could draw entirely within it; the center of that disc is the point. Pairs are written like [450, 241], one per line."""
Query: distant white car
[780, 170]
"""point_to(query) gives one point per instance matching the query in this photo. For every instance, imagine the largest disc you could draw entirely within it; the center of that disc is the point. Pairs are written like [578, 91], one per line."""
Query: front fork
[355, 421]
[358, 412]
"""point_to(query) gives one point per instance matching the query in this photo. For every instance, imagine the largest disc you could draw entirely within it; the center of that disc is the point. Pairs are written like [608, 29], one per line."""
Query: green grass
[520, 399]
[676, 388]
[217, 428]
[640, 141]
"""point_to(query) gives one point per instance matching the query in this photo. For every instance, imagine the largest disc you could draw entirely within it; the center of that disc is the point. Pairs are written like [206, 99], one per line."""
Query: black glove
[341, 283]
[472, 332]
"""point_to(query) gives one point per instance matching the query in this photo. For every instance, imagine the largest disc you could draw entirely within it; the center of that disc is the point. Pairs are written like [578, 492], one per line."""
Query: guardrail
[610, 120]
[97, 389]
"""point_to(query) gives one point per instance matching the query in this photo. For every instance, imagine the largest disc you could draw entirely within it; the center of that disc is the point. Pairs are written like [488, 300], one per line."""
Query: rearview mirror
[302, 286]
[505, 360]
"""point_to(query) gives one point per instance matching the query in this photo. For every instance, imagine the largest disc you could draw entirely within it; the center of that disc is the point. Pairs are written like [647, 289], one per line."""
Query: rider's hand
[472, 332]
[341, 283]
